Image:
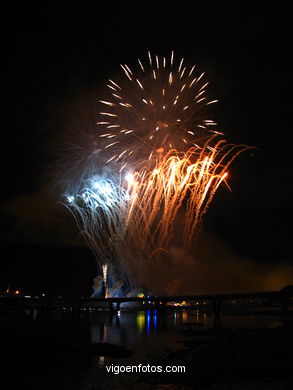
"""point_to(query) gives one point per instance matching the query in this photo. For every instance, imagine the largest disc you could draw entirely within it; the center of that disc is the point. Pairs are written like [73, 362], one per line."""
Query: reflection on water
[152, 328]
[123, 327]
[184, 316]
[101, 361]
[140, 321]
[148, 333]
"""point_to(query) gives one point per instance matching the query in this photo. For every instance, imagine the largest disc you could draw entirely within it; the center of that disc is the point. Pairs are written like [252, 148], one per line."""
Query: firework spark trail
[155, 107]
[105, 279]
[126, 223]
[102, 213]
[98, 211]
[171, 159]
[192, 177]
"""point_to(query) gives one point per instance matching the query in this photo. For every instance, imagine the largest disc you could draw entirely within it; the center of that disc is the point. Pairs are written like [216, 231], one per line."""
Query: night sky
[57, 59]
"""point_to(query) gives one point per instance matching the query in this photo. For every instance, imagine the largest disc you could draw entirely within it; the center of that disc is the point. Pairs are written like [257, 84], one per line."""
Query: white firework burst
[154, 107]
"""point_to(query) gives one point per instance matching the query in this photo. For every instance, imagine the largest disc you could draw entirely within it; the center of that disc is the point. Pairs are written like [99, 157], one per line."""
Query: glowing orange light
[158, 194]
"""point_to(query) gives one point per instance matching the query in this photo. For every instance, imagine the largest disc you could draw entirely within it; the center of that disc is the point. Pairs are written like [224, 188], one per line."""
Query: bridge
[10, 304]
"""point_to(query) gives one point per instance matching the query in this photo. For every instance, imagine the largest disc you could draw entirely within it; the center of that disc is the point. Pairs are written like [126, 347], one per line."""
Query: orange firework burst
[180, 181]
[153, 108]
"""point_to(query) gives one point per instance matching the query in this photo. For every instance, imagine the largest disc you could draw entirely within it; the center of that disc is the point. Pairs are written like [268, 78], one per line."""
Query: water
[53, 352]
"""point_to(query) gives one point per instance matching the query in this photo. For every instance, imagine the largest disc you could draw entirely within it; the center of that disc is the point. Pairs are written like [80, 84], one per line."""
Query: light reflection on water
[152, 329]
[133, 328]
[148, 333]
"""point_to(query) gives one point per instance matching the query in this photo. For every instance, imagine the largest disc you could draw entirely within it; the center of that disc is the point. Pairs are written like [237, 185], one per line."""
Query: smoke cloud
[214, 268]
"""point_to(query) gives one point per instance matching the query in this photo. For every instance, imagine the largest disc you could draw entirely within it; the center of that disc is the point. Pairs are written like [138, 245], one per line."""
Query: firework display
[165, 160]
[160, 105]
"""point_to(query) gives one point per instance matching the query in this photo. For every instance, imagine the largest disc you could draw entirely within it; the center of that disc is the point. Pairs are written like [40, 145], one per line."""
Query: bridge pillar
[285, 304]
[285, 310]
[217, 313]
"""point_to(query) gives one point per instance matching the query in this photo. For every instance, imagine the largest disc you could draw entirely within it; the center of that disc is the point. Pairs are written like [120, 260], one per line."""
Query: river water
[64, 352]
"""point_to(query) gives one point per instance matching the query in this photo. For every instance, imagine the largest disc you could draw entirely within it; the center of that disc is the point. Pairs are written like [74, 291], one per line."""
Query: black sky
[57, 54]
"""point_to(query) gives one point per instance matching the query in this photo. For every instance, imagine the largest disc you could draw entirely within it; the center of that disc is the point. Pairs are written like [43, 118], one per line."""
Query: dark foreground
[61, 353]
